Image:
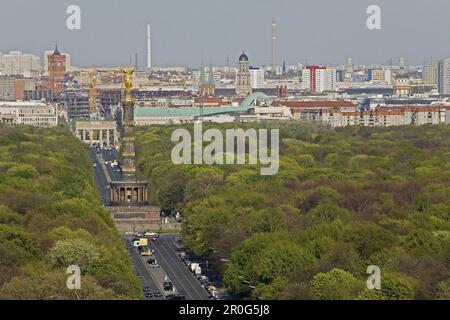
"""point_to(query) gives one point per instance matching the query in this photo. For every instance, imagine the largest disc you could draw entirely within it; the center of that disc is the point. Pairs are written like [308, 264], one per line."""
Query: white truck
[194, 266]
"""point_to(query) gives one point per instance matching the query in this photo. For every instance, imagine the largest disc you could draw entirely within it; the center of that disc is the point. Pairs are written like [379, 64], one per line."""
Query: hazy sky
[185, 31]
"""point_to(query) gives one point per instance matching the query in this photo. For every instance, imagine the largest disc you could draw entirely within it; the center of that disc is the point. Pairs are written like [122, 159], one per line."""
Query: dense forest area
[343, 199]
[51, 217]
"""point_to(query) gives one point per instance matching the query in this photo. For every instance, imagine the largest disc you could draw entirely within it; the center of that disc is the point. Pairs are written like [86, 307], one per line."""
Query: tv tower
[274, 45]
[149, 48]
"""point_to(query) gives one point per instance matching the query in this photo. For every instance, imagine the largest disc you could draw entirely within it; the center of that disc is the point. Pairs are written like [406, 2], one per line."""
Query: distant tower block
[274, 45]
[149, 48]
[207, 87]
[350, 62]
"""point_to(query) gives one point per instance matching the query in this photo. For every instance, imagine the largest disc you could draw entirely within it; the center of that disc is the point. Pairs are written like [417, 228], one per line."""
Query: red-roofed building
[345, 113]
[315, 104]
[212, 102]
[387, 116]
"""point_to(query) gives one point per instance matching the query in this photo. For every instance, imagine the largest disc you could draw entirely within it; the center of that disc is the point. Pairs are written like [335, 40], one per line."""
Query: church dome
[243, 57]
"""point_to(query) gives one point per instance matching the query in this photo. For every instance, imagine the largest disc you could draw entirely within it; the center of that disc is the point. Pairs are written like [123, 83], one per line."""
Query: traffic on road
[168, 269]
[165, 270]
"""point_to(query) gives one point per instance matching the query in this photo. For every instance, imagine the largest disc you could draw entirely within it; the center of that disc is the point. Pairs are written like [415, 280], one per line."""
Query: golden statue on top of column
[127, 78]
[127, 82]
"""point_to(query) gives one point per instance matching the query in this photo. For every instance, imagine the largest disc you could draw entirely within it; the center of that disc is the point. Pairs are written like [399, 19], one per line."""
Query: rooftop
[185, 112]
[22, 104]
[314, 104]
[243, 57]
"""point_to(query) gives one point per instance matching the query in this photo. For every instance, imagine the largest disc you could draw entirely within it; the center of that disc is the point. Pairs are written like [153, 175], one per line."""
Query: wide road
[108, 156]
[165, 249]
[182, 278]
[146, 277]
[103, 187]
[114, 172]
[100, 178]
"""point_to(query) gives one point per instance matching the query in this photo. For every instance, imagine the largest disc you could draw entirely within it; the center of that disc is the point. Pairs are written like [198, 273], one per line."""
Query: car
[148, 295]
[151, 235]
[183, 255]
[151, 260]
[145, 251]
[204, 280]
[157, 294]
[168, 286]
[146, 289]
[94, 165]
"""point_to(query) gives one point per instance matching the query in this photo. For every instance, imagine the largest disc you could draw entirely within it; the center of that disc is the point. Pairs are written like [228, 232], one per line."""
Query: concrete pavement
[183, 279]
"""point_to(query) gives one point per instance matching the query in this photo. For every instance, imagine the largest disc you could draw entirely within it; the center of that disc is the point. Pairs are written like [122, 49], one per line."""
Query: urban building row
[28, 113]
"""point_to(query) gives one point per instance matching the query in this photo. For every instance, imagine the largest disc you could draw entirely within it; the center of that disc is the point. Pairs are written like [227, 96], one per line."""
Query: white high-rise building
[326, 80]
[15, 63]
[31, 66]
[319, 79]
[257, 76]
[12, 63]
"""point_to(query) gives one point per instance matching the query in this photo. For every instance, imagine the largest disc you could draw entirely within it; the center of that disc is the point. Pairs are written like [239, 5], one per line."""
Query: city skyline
[214, 32]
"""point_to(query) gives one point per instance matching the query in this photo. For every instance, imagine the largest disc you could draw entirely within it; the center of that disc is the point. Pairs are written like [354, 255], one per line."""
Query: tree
[204, 182]
[26, 171]
[73, 252]
[443, 290]
[396, 287]
[337, 284]
[349, 197]
[422, 242]
[271, 291]
[374, 294]
[367, 237]
[9, 217]
[50, 218]
[52, 286]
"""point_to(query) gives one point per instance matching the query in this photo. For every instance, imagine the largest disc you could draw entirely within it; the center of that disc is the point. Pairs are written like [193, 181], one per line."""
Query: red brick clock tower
[56, 71]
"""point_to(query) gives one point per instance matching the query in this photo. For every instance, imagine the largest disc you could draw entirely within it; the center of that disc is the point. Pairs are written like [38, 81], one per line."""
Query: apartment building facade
[28, 113]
